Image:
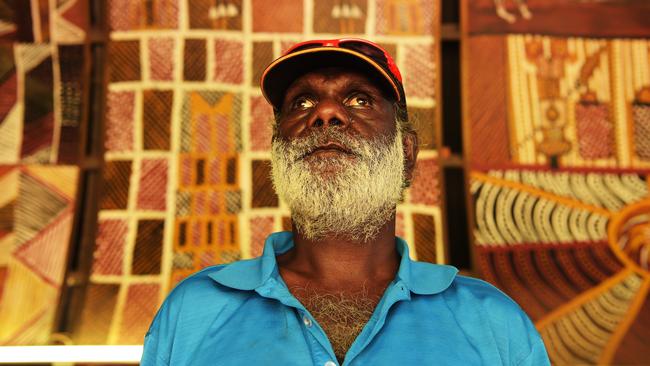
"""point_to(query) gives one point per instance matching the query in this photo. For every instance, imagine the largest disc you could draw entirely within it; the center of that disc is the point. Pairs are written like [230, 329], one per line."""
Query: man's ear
[411, 149]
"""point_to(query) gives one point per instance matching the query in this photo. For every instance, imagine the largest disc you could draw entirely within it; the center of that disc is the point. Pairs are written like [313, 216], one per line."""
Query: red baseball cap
[352, 53]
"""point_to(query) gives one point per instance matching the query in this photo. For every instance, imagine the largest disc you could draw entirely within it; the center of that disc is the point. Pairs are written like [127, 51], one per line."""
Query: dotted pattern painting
[187, 162]
[559, 185]
[41, 119]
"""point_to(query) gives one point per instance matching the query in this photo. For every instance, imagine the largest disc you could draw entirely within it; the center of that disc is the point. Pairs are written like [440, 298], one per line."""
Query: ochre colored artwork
[41, 119]
[557, 140]
[37, 211]
[187, 140]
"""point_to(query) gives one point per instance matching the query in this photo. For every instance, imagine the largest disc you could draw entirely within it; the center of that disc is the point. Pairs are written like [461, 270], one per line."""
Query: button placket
[330, 363]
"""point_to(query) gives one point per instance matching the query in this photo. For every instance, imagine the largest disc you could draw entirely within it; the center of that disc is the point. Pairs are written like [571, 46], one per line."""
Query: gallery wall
[183, 148]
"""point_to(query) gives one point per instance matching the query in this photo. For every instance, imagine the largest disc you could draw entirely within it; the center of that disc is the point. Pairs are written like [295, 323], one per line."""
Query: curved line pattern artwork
[562, 216]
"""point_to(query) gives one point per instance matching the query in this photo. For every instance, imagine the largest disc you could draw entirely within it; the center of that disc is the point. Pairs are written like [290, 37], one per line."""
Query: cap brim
[279, 75]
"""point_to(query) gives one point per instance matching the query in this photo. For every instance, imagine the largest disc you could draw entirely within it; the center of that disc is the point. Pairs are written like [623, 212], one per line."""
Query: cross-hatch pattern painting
[188, 133]
[41, 121]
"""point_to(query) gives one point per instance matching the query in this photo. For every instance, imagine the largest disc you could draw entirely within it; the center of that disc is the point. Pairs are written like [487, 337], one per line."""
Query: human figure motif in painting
[509, 17]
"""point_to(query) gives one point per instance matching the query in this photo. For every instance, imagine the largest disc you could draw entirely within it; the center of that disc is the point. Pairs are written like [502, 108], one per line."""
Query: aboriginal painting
[556, 119]
[42, 83]
[187, 140]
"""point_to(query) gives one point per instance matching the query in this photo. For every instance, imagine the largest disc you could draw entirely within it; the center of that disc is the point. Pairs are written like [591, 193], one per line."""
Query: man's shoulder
[477, 301]
[206, 282]
[481, 292]
[441, 278]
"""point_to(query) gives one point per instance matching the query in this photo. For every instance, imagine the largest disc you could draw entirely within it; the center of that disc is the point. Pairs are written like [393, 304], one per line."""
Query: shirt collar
[420, 277]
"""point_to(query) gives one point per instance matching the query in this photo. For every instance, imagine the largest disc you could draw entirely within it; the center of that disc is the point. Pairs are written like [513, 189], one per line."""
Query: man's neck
[342, 264]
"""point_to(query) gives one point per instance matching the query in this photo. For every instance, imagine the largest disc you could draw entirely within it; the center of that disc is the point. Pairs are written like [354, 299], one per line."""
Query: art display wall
[556, 122]
[187, 136]
[42, 81]
[557, 132]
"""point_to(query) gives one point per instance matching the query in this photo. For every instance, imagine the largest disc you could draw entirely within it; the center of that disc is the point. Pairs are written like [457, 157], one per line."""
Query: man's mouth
[328, 149]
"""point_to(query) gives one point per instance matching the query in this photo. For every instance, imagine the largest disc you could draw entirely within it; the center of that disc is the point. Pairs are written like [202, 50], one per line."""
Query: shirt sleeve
[535, 354]
[156, 343]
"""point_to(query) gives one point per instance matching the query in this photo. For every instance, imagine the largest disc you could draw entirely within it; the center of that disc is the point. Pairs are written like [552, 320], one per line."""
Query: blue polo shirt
[243, 314]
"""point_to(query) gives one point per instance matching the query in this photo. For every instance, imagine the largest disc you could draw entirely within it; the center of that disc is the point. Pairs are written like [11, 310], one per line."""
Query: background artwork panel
[42, 115]
[559, 172]
[187, 140]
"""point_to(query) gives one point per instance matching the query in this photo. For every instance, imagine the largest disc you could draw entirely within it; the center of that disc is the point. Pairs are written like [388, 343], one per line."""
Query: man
[339, 289]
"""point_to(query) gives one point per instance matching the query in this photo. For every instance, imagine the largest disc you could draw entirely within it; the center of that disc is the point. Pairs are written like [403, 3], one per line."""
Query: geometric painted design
[405, 17]
[641, 115]
[264, 23]
[207, 228]
[109, 247]
[156, 119]
[100, 303]
[71, 21]
[263, 193]
[594, 128]
[43, 123]
[38, 119]
[424, 120]
[260, 229]
[147, 252]
[229, 61]
[153, 184]
[117, 175]
[425, 187]
[118, 134]
[261, 124]
[37, 206]
[44, 81]
[424, 231]
[134, 15]
[263, 54]
[43, 258]
[140, 306]
[419, 71]
[125, 61]
[194, 63]
[71, 96]
[38, 202]
[161, 66]
[9, 118]
[188, 136]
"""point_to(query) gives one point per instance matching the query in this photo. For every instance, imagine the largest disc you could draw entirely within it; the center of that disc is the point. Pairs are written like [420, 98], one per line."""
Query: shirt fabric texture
[243, 314]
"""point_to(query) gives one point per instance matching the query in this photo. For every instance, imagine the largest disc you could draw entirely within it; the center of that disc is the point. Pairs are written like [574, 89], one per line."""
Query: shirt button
[330, 363]
[307, 321]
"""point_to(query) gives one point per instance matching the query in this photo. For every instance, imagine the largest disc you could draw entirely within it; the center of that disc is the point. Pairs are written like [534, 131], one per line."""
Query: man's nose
[328, 113]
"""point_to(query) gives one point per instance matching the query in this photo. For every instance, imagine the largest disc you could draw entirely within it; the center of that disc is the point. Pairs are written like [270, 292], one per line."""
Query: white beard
[356, 200]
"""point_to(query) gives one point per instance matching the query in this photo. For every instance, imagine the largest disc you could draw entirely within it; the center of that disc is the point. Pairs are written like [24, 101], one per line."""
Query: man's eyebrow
[362, 86]
[296, 89]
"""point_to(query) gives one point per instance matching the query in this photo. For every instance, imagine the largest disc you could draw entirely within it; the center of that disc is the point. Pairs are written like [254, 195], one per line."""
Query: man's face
[332, 97]
[338, 156]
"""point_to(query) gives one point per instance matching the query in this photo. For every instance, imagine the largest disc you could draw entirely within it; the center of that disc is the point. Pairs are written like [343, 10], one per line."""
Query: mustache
[297, 149]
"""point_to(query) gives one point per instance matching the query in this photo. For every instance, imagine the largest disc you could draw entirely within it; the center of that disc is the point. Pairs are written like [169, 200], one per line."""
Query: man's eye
[358, 101]
[303, 103]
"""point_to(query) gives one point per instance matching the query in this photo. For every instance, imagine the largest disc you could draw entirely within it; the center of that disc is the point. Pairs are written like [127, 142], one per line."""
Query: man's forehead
[337, 76]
